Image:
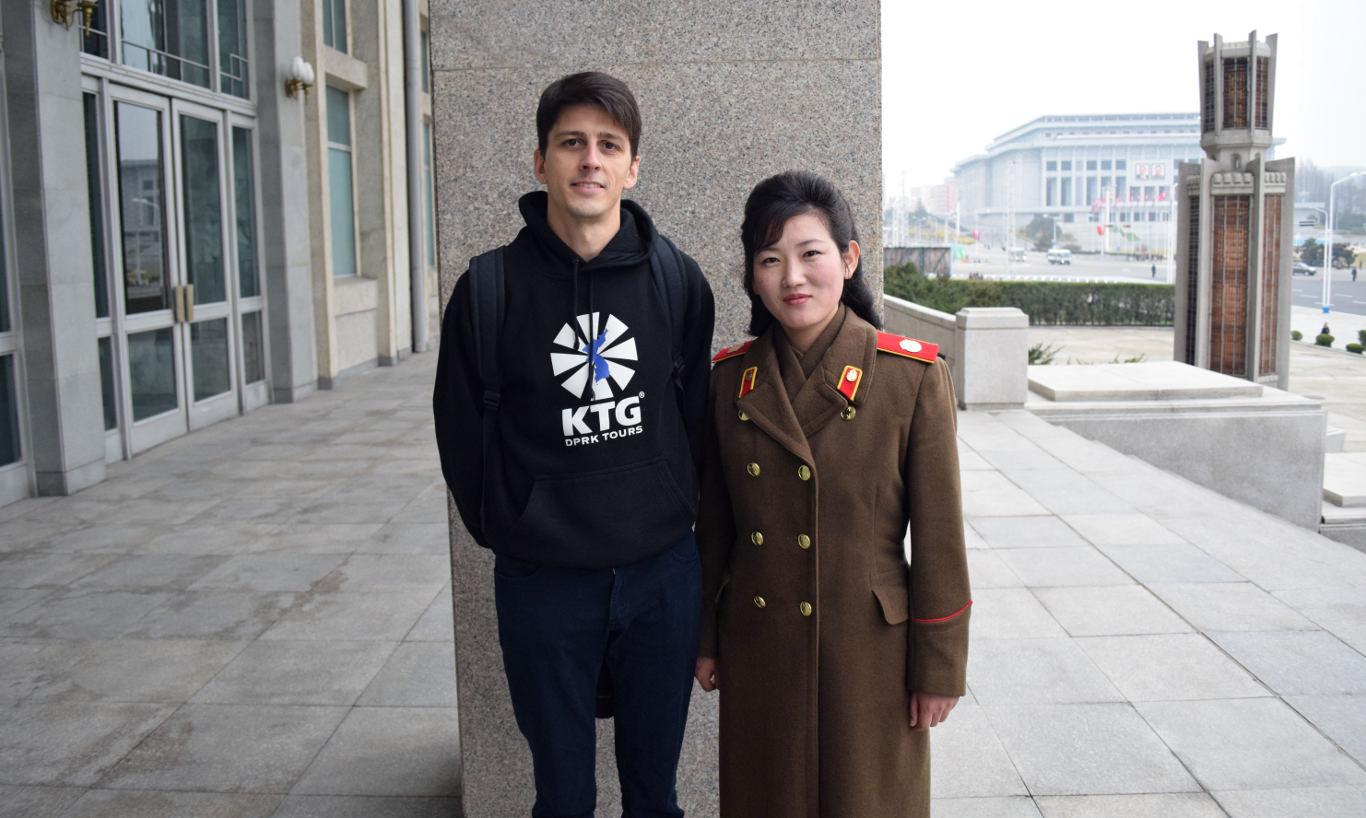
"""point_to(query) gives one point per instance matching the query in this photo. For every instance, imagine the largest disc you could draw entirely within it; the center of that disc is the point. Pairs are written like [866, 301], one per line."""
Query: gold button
[805, 608]
[753, 469]
[848, 413]
[743, 416]
[757, 538]
[803, 541]
[759, 602]
[803, 472]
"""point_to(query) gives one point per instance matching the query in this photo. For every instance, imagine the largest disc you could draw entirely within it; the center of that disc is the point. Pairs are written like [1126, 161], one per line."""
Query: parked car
[1300, 268]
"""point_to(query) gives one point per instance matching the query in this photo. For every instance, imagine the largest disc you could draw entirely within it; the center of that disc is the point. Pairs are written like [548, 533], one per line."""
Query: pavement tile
[1014, 807]
[1081, 749]
[988, 571]
[215, 614]
[37, 802]
[215, 537]
[14, 600]
[1275, 747]
[326, 806]
[282, 672]
[1045, 531]
[990, 494]
[969, 760]
[269, 571]
[1312, 663]
[417, 674]
[114, 670]
[1341, 718]
[322, 538]
[1160, 805]
[1063, 491]
[392, 572]
[1110, 611]
[227, 748]
[1229, 606]
[71, 744]
[385, 616]
[1321, 802]
[1339, 610]
[437, 623]
[1177, 666]
[1122, 529]
[1046, 567]
[99, 539]
[46, 569]
[145, 804]
[411, 538]
[1169, 564]
[1035, 671]
[388, 751]
[150, 572]
[1011, 613]
[84, 614]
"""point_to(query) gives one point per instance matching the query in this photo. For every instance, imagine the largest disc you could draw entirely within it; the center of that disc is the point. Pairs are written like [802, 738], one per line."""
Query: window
[234, 76]
[1051, 198]
[1052, 164]
[1066, 192]
[9, 413]
[429, 199]
[1120, 164]
[1105, 164]
[95, 197]
[1067, 164]
[1263, 93]
[1090, 164]
[426, 65]
[167, 37]
[244, 194]
[1235, 92]
[334, 24]
[96, 41]
[341, 196]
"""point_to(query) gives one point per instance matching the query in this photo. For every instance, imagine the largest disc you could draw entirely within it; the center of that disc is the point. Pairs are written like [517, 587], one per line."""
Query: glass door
[174, 329]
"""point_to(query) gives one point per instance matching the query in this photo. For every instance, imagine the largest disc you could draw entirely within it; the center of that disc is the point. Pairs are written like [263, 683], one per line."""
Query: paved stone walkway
[255, 620]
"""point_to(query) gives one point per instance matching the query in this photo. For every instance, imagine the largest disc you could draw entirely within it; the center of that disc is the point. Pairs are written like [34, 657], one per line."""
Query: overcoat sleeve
[940, 597]
[715, 528]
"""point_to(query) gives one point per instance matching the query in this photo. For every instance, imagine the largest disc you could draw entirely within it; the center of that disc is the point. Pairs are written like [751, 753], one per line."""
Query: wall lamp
[65, 11]
[298, 78]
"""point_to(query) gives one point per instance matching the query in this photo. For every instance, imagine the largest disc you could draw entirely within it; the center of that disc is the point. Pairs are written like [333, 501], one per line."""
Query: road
[1307, 291]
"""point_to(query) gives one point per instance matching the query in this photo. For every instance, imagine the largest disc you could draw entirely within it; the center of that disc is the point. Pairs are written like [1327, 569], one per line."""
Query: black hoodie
[594, 464]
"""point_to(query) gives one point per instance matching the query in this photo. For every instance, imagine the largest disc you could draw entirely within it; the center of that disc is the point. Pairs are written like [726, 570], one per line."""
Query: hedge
[1045, 302]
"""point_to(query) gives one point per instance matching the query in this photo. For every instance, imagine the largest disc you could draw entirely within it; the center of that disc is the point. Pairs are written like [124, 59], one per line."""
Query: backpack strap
[487, 305]
[666, 262]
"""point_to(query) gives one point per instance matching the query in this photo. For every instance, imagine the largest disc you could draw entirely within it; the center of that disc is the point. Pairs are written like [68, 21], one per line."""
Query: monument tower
[1234, 224]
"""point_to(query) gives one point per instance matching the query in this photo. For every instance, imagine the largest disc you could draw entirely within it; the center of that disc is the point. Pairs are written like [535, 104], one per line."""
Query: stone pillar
[56, 308]
[285, 204]
[729, 94]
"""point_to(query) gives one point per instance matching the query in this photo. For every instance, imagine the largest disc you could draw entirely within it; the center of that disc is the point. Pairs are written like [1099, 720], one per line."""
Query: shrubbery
[1324, 340]
[1045, 302]
[1357, 348]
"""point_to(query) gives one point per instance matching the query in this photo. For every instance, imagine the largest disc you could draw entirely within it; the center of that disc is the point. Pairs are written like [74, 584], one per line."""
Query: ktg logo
[591, 361]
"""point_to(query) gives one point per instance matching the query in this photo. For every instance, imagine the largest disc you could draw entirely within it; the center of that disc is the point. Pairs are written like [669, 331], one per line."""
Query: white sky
[954, 77]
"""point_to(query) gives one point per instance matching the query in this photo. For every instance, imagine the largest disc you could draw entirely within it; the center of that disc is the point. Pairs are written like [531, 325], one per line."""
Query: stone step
[1344, 480]
[1334, 441]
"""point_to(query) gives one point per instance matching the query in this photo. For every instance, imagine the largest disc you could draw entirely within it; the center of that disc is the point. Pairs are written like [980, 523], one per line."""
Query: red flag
[1162, 194]
[977, 235]
[1100, 230]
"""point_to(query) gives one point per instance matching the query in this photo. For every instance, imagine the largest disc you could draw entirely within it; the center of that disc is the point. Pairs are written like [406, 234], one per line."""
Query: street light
[1328, 243]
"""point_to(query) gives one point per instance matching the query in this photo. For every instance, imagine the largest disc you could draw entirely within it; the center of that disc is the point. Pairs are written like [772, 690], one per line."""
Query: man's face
[586, 165]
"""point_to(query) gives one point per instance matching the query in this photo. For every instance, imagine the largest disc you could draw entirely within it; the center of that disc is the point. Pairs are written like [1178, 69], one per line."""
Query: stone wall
[729, 93]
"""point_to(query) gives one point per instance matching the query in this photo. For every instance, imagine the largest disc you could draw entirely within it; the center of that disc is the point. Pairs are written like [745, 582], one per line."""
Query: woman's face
[800, 277]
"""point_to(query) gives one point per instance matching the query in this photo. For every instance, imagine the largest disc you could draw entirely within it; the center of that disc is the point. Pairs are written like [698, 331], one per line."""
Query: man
[584, 480]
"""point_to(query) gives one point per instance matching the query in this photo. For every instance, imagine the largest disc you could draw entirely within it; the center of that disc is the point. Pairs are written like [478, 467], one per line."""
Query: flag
[1100, 230]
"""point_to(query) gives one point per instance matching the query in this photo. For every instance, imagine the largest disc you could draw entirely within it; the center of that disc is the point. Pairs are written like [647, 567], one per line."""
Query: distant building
[1106, 178]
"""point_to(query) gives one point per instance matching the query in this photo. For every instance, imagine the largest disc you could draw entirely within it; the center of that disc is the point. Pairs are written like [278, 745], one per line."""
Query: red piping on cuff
[950, 616]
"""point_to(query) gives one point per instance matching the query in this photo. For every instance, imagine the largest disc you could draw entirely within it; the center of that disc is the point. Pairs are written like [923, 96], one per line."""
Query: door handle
[189, 302]
[178, 301]
[184, 303]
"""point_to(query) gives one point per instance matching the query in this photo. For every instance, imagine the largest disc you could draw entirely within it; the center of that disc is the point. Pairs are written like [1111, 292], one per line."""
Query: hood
[629, 247]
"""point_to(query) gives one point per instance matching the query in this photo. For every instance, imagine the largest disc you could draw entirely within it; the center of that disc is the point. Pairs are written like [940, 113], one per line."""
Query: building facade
[1106, 179]
[183, 241]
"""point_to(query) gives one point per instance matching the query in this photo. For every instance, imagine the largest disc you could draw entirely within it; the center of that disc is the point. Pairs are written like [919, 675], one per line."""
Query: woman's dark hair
[767, 210]
[591, 88]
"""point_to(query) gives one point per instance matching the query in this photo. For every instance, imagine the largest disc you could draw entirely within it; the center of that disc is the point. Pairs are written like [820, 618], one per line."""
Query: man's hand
[706, 673]
[927, 709]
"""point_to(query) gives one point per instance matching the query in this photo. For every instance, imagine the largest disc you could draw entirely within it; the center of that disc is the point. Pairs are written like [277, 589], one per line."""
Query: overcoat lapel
[819, 400]
[766, 404]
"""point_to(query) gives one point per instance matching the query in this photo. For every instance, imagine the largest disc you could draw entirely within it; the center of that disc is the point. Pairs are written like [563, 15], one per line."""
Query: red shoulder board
[907, 347]
[731, 352]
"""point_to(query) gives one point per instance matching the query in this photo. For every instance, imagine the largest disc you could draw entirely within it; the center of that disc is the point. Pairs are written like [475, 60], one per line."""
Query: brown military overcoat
[819, 627]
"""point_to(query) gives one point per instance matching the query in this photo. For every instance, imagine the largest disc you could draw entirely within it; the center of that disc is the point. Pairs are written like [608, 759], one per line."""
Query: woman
[832, 655]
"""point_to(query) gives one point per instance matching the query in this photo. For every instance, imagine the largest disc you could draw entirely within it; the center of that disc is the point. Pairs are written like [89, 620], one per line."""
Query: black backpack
[487, 306]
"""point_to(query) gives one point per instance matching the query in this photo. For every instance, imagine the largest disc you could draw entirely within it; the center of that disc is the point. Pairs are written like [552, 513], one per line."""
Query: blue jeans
[559, 629]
